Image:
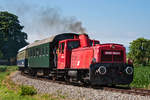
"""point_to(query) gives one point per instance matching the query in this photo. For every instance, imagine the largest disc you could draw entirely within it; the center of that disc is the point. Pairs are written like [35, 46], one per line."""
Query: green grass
[141, 77]
[11, 91]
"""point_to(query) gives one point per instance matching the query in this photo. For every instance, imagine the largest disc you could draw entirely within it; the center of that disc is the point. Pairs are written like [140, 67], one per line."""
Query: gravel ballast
[73, 92]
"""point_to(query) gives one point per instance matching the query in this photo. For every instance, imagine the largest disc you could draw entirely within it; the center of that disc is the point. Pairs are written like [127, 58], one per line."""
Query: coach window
[46, 49]
[30, 52]
[34, 52]
[40, 51]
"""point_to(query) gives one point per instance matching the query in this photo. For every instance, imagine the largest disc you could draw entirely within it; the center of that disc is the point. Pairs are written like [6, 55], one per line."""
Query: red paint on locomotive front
[117, 53]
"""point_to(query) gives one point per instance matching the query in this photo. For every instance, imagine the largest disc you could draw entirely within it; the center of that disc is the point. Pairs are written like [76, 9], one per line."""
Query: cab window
[95, 42]
[73, 44]
[61, 47]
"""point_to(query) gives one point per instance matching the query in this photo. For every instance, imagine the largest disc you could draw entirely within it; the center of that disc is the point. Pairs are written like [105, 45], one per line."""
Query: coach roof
[54, 38]
[22, 49]
[50, 39]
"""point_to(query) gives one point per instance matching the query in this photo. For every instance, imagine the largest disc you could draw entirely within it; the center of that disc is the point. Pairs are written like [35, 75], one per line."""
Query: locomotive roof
[111, 44]
[54, 38]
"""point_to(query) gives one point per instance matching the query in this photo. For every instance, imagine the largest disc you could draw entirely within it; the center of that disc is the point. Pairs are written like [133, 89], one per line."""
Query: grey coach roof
[22, 49]
[50, 39]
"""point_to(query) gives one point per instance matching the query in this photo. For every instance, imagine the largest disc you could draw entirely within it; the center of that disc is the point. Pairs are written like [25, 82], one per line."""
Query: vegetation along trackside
[10, 91]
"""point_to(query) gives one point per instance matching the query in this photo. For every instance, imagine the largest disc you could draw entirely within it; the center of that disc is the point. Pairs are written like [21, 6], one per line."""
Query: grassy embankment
[11, 91]
[141, 77]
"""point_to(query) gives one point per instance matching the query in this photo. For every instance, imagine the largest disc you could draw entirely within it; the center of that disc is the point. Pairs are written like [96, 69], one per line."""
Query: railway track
[132, 91]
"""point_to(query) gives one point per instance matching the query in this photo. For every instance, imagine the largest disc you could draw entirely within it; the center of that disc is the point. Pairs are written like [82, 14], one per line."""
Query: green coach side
[39, 56]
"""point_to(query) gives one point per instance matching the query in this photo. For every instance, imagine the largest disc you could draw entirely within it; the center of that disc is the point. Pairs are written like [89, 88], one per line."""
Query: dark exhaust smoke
[42, 21]
[51, 18]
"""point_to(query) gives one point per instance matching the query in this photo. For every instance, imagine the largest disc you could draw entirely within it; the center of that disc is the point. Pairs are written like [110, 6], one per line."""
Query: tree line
[11, 36]
[139, 51]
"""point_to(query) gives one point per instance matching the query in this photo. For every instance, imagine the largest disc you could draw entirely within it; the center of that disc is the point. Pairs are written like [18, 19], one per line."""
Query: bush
[28, 90]
[3, 68]
[141, 77]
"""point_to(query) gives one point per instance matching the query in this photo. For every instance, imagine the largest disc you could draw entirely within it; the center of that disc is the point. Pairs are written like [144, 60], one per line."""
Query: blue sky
[117, 21]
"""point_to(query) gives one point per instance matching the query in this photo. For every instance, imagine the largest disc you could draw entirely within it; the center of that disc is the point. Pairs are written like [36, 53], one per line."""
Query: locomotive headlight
[102, 70]
[129, 70]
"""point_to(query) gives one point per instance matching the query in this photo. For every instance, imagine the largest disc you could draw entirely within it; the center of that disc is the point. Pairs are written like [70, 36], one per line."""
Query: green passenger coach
[39, 54]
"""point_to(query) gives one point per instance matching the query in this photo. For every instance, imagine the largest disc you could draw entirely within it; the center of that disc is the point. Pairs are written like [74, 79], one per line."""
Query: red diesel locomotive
[74, 57]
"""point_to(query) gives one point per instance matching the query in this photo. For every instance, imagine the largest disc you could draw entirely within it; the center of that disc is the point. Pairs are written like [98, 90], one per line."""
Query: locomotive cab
[64, 52]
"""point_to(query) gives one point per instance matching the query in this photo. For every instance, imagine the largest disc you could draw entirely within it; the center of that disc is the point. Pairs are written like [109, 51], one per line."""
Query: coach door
[61, 56]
